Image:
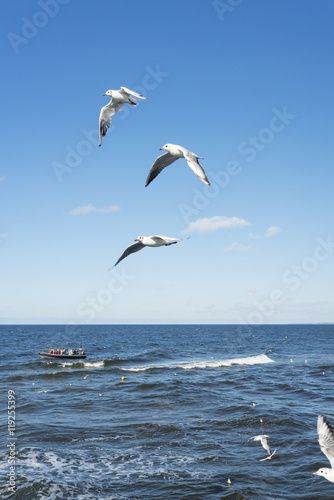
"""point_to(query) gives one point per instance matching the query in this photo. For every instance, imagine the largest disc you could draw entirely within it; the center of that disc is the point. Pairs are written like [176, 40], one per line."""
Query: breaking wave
[251, 360]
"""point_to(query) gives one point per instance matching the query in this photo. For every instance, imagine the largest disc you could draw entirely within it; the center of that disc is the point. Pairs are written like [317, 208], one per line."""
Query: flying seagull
[147, 241]
[118, 98]
[175, 152]
[326, 442]
[264, 442]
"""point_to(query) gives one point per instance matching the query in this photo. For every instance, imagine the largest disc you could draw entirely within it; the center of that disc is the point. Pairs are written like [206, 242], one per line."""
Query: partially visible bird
[174, 152]
[147, 241]
[118, 98]
[326, 442]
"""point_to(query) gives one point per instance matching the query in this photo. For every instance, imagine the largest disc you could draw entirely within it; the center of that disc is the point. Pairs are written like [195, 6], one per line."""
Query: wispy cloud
[238, 247]
[208, 225]
[2, 178]
[89, 209]
[271, 231]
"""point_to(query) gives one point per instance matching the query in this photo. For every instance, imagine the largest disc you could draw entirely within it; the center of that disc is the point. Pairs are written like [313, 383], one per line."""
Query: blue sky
[247, 85]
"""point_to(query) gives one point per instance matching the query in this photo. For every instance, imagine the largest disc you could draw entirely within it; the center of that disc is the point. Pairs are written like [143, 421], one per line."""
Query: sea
[165, 412]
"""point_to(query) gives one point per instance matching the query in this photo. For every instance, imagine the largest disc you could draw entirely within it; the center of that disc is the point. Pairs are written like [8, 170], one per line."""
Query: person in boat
[81, 351]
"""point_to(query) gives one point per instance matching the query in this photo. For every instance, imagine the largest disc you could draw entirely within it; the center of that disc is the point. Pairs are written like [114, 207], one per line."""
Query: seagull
[118, 98]
[147, 241]
[175, 152]
[264, 442]
[326, 442]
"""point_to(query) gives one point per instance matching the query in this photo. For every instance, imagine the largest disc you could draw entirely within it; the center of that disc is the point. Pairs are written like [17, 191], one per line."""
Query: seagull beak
[136, 239]
[104, 94]
[315, 474]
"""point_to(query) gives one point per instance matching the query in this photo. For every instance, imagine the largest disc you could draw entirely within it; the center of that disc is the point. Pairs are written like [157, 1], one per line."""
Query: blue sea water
[178, 425]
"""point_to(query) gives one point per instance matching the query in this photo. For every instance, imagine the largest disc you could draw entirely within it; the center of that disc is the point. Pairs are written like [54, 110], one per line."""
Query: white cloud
[88, 209]
[2, 178]
[238, 247]
[271, 231]
[208, 225]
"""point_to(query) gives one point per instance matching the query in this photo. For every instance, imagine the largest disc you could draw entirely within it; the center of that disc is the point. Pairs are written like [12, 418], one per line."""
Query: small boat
[68, 354]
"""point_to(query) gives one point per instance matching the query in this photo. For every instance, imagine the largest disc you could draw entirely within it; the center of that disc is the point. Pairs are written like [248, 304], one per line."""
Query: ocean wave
[85, 364]
[251, 360]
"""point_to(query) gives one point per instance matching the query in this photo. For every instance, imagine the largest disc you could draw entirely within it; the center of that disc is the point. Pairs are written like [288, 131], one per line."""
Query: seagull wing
[197, 169]
[160, 163]
[269, 457]
[131, 92]
[326, 438]
[265, 445]
[164, 240]
[131, 249]
[105, 117]
[259, 437]
[167, 239]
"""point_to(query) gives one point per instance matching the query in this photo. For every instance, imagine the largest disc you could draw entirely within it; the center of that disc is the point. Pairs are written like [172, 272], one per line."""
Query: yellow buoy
[123, 379]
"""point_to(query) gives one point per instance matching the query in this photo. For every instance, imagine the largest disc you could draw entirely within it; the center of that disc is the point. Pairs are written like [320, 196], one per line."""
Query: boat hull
[47, 355]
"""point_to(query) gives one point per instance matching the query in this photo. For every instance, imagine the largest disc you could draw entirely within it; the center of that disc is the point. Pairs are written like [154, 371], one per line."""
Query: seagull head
[326, 473]
[109, 93]
[140, 238]
[165, 147]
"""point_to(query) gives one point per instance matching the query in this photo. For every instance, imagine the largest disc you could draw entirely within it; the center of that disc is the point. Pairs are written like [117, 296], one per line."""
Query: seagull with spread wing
[118, 98]
[147, 241]
[173, 153]
[263, 439]
[326, 442]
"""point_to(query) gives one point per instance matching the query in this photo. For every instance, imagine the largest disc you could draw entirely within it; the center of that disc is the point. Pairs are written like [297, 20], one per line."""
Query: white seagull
[175, 152]
[118, 98]
[264, 442]
[326, 442]
[148, 241]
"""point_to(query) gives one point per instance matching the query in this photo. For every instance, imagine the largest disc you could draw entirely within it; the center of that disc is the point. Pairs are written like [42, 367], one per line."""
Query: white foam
[251, 360]
[86, 364]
